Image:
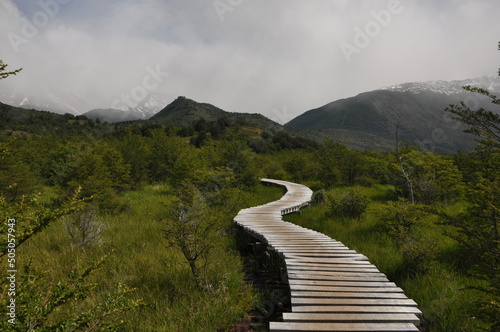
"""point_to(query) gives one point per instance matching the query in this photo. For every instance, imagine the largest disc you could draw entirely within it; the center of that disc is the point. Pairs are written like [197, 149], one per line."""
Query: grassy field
[139, 257]
[434, 279]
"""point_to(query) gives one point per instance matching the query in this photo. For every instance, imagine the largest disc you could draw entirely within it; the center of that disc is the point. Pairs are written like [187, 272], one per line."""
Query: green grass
[141, 259]
[439, 285]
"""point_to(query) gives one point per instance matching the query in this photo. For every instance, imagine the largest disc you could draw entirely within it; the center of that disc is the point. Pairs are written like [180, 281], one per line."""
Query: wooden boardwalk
[332, 287]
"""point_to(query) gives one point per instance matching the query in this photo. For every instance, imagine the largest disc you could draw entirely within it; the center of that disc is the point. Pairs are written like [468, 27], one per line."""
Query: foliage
[99, 169]
[31, 217]
[319, 197]
[351, 205]
[403, 221]
[20, 122]
[193, 228]
[433, 178]
[39, 299]
[330, 155]
[483, 123]
[478, 227]
[4, 73]
[16, 178]
[84, 229]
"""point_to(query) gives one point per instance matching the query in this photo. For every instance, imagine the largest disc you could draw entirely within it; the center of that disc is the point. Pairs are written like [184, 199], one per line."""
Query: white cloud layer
[278, 58]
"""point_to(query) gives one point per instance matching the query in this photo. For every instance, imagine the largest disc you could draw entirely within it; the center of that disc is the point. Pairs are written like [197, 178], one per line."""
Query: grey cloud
[262, 57]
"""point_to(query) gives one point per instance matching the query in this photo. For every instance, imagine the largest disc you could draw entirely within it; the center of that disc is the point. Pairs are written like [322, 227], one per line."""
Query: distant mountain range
[57, 101]
[63, 101]
[143, 111]
[413, 111]
[370, 120]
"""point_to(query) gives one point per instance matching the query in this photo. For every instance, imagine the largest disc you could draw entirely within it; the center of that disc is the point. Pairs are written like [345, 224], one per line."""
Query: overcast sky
[275, 57]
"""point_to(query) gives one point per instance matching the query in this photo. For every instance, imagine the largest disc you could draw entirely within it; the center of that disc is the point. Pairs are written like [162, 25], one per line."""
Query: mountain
[21, 122]
[415, 111]
[143, 111]
[183, 112]
[111, 115]
[51, 101]
[69, 100]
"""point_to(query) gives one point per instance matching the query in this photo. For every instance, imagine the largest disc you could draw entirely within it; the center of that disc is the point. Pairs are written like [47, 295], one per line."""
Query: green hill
[183, 112]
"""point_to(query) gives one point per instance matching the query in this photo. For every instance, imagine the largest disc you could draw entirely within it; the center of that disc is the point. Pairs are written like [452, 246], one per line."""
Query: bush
[351, 205]
[403, 221]
[85, 229]
[319, 197]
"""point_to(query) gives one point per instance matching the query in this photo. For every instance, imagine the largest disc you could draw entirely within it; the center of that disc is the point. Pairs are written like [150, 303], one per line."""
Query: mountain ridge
[414, 110]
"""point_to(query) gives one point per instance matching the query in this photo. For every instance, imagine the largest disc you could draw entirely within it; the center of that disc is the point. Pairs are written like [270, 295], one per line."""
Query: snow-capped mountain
[66, 101]
[491, 83]
[416, 111]
[148, 107]
[56, 101]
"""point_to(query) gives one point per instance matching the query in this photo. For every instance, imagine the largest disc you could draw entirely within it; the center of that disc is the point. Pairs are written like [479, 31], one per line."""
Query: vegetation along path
[332, 287]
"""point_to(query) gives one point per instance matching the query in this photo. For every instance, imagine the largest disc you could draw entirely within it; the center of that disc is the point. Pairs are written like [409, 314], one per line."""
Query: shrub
[351, 205]
[319, 197]
[403, 222]
[85, 229]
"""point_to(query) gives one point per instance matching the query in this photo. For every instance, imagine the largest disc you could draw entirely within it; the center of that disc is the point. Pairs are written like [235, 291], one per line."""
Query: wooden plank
[302, 241]
[352, 317]
[317, 249]
[333, 288]
[346, 327]
[334, 269]
[339, 283]
[306, 244]
[329, 280]
[346, 294]
[356, 309]
[322, 255]
[364, 302]
[325, 268]
[321, 260]
[347, 271]
[351, 268]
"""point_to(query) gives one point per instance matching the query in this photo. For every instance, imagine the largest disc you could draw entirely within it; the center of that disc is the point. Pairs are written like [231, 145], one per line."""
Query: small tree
[192, 227]
[404, 173]
[84, 228]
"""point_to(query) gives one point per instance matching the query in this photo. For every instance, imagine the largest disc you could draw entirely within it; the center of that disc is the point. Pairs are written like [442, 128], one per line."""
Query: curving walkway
[332, 287]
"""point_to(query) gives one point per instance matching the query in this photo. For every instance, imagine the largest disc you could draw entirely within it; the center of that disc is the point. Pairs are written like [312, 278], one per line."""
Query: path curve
[332, 287]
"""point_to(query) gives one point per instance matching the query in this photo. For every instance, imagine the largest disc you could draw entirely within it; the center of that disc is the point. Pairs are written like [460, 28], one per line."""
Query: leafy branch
[5, 74]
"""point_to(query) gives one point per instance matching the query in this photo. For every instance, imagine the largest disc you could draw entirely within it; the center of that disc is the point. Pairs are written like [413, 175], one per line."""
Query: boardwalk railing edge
[332, 287]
